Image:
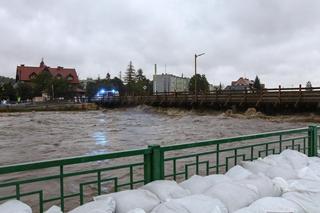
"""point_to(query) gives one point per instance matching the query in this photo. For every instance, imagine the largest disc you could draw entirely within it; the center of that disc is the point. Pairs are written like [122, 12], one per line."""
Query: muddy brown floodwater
[33, 136]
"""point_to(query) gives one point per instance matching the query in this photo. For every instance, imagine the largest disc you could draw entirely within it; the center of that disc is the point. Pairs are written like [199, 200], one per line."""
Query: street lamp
[195, 73]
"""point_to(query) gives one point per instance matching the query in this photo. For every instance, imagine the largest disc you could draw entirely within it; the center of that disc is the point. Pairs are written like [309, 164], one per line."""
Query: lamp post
[195, 74]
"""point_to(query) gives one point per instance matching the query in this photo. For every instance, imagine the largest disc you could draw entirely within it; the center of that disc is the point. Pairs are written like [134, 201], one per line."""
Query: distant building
[170, 83]
[242, 84]
[27, 73]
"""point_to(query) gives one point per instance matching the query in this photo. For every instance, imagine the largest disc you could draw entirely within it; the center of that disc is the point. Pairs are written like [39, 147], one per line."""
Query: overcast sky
[278, 40]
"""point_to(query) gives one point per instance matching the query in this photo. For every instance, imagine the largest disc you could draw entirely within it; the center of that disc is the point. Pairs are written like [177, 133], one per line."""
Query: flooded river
[33, 136]
[36, 136]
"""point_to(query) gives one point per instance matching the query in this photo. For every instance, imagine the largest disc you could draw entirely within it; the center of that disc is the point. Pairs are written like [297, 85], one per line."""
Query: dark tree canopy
[256, 84]
[24, 91]
[108, 76]
[202, 84]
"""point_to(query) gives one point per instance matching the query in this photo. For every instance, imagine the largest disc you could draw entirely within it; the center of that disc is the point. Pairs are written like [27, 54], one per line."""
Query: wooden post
[279, 94]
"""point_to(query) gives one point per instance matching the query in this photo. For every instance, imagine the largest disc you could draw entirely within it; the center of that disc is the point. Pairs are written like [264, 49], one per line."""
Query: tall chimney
[155, 69]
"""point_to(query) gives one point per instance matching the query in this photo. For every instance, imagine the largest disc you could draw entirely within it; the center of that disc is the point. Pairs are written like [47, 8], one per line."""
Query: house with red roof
[27, 73]
[242, 84]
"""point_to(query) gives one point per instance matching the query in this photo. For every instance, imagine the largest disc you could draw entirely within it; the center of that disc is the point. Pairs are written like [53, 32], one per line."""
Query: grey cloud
[275, 39]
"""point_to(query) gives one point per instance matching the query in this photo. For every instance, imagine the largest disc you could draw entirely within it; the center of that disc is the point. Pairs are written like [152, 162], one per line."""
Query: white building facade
[170, 83]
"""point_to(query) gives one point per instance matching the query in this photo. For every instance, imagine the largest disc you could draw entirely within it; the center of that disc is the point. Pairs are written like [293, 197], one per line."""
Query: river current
[33, 136]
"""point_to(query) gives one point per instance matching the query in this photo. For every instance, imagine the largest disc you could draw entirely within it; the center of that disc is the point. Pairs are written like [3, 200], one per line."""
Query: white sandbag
[308, 174]
[309, 201]
[196, 184]
[276, 160]
[303, 185]
[283, 172]
[262, 184]
[217, 178]
[238, 173]
[166, 190]
[54, 209]
[315, 160]
[138, 210]
[98, 206]
[296, 159]
[234, 196]
[132, 199]
[15, 206]
[256, 166]
[315, 167]
[272, 205]
[281, 183]
[192, 204]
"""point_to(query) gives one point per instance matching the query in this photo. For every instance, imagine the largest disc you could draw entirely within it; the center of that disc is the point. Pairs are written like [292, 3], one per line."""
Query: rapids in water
[34, 136]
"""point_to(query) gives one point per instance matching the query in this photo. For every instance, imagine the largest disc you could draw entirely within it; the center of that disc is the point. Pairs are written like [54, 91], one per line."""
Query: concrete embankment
[66, 106]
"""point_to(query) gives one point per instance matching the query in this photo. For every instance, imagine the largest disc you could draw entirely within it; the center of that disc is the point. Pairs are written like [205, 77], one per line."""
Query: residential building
[27, 73]
[170, 83]
[242, 84]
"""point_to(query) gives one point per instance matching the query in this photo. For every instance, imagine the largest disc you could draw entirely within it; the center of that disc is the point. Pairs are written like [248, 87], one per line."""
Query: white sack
[198, 184]
[296, 159]
[283, 172]
[166, 190]
[303, 185]
[132, 199]
[315, 167]
[98, 206]
[308, 174]
[192, 204]
[281, 183]
[54, 209]
[238, 173]
[272, 205]
[234, 196]
[15, 206]
[256, 166]
[263, 185]
[217, 178]
[136, 211]
[309, 201]
[276, 160]
[315, 160]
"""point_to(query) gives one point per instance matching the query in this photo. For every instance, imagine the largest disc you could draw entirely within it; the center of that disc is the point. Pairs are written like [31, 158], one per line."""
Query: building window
[59, 76]
[70, 78]
[32, 76]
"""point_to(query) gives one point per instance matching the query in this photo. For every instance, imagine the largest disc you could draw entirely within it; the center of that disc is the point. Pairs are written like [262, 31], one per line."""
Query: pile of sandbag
[288, 183]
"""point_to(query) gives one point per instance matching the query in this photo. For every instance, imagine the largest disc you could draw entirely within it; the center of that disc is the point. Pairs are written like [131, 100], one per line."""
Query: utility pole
[195, 74]
[155, 79]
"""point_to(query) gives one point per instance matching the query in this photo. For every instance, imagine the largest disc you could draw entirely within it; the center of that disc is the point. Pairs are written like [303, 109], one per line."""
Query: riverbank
[48, 106]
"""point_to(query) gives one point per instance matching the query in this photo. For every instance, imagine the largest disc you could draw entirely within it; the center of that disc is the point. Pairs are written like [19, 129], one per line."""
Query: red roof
[25, 72]
[242, 81]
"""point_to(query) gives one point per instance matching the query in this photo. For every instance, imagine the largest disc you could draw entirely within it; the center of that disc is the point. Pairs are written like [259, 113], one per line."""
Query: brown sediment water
[34, 136]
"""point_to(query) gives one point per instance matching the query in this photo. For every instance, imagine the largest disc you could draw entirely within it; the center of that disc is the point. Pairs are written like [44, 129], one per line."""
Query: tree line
[134, 83]
[42, 83]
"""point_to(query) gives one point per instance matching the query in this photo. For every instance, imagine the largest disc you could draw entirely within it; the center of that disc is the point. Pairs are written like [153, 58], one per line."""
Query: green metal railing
[71, 181]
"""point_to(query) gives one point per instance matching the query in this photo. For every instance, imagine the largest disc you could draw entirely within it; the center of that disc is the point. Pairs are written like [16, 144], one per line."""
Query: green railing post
[147, 161]
[157, 163]
[313, 141]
